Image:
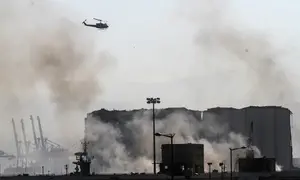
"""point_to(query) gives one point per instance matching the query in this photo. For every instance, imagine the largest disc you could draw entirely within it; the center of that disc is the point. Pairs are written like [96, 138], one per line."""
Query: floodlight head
[148, 100]
[158, 134]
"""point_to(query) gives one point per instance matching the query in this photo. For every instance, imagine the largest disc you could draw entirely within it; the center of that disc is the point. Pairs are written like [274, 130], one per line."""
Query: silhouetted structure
[83, 159]
[188, 158]
[257, 165]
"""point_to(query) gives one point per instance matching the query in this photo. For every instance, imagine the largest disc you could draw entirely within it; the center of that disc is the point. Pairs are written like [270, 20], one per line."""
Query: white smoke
[278, 168]
[112, 154]
[239, 66]
[49, 65]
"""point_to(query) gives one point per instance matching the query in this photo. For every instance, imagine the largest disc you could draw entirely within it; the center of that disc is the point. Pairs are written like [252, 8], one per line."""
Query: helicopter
[99, 25]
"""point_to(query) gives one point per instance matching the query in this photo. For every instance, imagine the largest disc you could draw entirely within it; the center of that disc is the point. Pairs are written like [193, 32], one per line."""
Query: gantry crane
[34, 133]
[26, 144]
[16, 142]
[41, 134]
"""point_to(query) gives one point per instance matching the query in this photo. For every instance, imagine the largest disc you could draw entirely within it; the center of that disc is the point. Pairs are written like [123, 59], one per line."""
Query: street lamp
[66, 168]
[233, 149]
[43, 172]
[209, 169]
[171, 136]
[222, 169]
[153, 101]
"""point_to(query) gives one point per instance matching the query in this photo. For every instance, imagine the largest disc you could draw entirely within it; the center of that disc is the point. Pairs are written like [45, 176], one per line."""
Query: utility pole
[230, 163]
[172, 156]
[153, 101]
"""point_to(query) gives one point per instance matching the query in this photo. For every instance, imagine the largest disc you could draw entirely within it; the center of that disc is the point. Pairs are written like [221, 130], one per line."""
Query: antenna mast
[249, 151]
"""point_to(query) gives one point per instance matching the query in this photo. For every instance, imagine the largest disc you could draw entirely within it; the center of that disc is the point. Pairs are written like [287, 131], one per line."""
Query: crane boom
[24, 137]
[41, 133]
[25, 142]
[16, 141]
[34, 134]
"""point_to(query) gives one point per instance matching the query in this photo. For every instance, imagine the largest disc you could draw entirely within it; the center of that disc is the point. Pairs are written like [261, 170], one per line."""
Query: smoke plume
[239, 66]
[128, 147]
[246, 64]
[49, 65]
[43, 49]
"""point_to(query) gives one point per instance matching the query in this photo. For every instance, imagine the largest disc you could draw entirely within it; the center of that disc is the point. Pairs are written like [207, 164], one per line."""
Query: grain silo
[268, 127]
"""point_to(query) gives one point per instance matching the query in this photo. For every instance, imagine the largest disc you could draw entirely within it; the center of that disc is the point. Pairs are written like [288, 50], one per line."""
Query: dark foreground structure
[187, 157]
[257, 165]
[287, 175]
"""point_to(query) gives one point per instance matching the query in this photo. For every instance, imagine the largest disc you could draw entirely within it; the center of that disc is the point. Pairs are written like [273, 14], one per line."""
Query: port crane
[30, 155]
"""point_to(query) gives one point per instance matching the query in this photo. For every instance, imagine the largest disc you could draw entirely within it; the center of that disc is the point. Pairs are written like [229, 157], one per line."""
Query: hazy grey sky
[153, 41]
[154, 45]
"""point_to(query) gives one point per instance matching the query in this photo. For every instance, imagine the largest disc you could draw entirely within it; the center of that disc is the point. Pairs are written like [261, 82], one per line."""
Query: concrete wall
[271, 129]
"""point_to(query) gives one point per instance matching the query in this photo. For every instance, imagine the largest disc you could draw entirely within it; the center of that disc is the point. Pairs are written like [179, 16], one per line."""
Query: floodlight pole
[153, 101]
[154, 147]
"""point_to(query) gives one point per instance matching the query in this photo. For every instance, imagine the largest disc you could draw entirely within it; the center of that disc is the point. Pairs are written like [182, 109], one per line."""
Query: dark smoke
[42, 48]
[49, 66]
